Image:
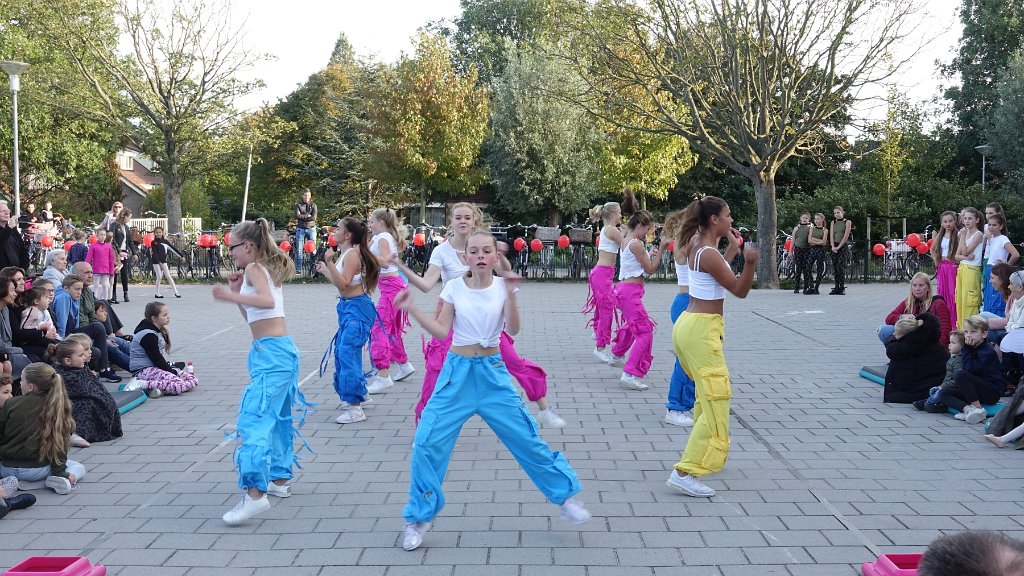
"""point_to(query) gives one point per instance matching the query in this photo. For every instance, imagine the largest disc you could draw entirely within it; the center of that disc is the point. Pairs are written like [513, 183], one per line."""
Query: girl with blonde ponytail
[265, 429]
[386, 345]
[35, 431]
[601, 301]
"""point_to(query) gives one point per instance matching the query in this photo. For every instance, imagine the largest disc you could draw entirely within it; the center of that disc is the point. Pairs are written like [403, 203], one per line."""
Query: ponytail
[697, 216]
[360, 240]
[602, 212]
[55, 421]
[390, 220]
[268, 254]
[628, 202]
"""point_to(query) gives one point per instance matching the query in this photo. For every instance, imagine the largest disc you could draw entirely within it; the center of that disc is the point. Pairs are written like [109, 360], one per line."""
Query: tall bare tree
[180, 79]
[750, 83]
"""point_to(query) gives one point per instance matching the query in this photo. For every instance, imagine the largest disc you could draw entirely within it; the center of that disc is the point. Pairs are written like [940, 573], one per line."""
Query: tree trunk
[553, 217]
[767, 229]
[423, 203]
[173, 184]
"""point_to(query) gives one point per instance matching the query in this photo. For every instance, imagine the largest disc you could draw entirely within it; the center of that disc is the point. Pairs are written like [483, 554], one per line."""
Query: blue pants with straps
[682, 392]
[355, 319]
[480, 385]
[266, 429]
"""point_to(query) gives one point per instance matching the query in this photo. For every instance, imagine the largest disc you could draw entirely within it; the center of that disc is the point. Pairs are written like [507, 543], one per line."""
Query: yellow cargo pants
[968, 293]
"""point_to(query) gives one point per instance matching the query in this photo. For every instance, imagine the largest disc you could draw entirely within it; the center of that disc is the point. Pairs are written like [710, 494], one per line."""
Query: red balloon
[285, 245]
[913, 240]
[46, 241]
[331, 241]
[419, 239]
[147, 239]
[922, 248]
[671, 246]
[536, 245]
[789, 244]
[563, 241]
[92, 239]
[68, 245]
[519, 244]
[930, 242]
[227, 238]
[741, 240]
[597, 240]
[878, 249]
[309, 246]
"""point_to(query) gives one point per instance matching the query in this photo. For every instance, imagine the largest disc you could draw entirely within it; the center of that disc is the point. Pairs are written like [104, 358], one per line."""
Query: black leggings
[818, 261]
[126, 271]
[839, 267]
[802, 266]
[968, 388]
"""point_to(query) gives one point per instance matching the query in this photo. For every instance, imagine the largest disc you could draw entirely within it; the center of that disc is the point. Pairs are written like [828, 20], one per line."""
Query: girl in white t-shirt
[447, 262]
[475, 309]
[998, 248]
[386, 345]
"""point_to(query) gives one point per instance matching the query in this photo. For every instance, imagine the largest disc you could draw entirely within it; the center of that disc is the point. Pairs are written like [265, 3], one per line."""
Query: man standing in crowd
[305, 225]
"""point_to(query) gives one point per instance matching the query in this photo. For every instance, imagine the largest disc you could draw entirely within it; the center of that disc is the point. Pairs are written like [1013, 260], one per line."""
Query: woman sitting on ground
[92, 406]
[150, 346]
[917, 361]
[999, 280]
[921, 299]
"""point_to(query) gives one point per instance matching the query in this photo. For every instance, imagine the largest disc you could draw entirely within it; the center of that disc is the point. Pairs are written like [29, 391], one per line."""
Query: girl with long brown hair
[945, 245]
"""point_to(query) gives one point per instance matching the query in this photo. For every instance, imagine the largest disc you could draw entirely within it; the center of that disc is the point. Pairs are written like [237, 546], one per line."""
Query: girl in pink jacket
[101, 256]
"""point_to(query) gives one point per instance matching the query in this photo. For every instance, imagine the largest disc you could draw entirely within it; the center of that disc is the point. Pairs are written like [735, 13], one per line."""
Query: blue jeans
[41, 473]
[301, 235]
[119, 354]
[480, 385]
[682, 392]
[266, 429]
[355, 319]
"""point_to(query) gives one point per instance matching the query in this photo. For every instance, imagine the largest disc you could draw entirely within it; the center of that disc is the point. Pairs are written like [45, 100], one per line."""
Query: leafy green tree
[427, 123]
[993, 33]
[543, 154]
[65, 154]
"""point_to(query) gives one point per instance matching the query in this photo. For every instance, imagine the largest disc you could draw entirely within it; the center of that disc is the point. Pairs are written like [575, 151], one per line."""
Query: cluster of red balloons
[913, 240]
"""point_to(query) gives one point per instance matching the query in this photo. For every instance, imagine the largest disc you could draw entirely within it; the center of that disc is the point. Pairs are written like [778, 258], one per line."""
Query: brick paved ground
[822, 476]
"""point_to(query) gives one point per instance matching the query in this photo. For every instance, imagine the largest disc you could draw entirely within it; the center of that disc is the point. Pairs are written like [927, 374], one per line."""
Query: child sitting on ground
[149, 351]
[981, 380]
[955, 362]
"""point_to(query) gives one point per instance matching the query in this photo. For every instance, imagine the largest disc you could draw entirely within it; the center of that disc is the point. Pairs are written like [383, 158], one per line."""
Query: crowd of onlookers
[959, 346]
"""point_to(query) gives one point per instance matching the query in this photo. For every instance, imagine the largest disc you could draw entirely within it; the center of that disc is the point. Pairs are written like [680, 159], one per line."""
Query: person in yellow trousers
[968, 273]
[698, 336]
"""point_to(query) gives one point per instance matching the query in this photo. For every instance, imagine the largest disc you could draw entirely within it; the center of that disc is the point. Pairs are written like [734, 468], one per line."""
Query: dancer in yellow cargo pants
[698, 335]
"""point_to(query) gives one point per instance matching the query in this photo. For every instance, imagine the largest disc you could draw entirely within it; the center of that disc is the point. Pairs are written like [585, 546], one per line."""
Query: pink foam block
[56, 566]
[892, 565]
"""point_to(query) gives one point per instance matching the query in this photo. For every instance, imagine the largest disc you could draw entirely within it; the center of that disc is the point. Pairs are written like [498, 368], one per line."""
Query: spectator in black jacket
[13, 251]
[124, 248]
[917, 361]
[981, 379]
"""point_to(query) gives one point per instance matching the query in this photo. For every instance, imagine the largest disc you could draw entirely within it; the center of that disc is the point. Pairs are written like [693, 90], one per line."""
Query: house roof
[135, 182]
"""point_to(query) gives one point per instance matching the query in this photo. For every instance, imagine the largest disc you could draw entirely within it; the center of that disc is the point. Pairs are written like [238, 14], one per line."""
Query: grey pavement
[822, 476]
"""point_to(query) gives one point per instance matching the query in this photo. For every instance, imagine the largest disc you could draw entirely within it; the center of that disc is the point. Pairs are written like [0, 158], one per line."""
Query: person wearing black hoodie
[917, 361]
[981, 380]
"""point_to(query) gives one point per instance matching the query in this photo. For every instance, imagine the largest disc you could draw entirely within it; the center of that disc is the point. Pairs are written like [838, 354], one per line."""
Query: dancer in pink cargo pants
[447, 261]
[636, 335]
[601, 301]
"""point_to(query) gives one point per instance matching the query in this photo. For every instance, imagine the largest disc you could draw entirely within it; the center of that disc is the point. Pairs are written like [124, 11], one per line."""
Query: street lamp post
[984, 150]
[14, 70]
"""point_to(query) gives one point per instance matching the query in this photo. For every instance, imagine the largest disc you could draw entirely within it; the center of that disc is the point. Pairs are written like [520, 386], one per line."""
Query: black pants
[98, 334]
[126, 272]
[818, 262]
[968, 388]
[802, 266]
[839, 267]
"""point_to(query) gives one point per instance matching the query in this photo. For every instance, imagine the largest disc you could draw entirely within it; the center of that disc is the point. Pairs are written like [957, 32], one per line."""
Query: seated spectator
[37, 329]
[917, 361]
[149, 351]
[1013, 339]
[955, 362]
[66, 311]
[35, 432]
[973, 553]
[108, 328]
[56, 266]
[981, 380]
[79, 250]
[32, 341]
[94, 409]
[13, 358]
[921, 299]
[92, 356]
[1006, 428]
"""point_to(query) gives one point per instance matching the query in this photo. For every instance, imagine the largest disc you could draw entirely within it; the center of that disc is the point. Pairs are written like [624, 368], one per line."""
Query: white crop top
[340, 265]
[392, 245]
[975, 259]
[629, 266]
[479, 313]
[447, 259]
[606, 244]
[996, 251]
[682, 274]
[944, 248]
[703, 285]
[252, 313]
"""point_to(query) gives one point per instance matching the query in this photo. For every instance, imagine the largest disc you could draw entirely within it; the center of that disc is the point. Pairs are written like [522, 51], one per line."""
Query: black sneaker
[918, 405]
[935, 408]
[21, 501]
[109, 375]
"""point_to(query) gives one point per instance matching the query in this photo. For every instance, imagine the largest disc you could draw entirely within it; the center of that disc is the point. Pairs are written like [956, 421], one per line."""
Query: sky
[301, 35]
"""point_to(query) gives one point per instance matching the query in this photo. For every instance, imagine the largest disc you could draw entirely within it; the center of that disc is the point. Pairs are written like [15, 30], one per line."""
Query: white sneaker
[617, 360]
[367, 400]
[414, 532]
[632, 382]
[603, 356]
[403, 371]
[574, 511]
[549, 418]
[351, 415]
[679, 418]
[378, 384]
[245, 509]
[135, 384]
[58, 484]
[281, 491]
[960, 416]
[975, 415]
[689, 485]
